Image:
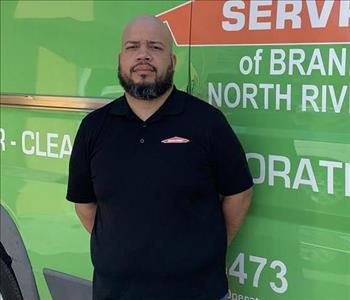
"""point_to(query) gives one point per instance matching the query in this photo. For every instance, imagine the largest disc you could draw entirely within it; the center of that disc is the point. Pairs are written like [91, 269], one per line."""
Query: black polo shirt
[159, 230]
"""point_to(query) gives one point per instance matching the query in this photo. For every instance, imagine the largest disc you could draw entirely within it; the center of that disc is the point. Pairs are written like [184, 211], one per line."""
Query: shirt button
[142, 141]
[144, 125]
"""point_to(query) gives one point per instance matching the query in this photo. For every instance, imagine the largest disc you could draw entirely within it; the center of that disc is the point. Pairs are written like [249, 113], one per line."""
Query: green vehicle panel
[58, 61]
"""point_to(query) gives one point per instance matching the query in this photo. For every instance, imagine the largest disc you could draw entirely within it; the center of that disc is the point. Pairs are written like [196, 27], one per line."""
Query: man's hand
[235, 208]
[86, 213]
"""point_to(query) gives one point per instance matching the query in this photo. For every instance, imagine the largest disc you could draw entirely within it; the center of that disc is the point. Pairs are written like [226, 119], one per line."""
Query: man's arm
[86, 213]
[235, 208]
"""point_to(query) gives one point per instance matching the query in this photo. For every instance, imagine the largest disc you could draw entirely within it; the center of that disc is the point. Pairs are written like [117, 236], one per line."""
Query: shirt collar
[173, 105]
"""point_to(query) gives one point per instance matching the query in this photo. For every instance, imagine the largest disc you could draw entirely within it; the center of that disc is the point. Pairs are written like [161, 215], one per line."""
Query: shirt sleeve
[80, 186]
[230, 166]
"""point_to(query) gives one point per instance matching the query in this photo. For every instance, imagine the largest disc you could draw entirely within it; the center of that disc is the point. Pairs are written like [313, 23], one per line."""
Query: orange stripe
[207, 26]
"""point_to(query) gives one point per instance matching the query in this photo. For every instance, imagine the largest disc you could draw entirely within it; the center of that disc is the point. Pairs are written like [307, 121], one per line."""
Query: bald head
[148, 27]
[146, 62]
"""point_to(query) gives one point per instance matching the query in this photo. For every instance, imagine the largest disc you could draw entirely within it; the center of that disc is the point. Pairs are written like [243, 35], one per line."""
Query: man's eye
[157, 48]
[130, 47]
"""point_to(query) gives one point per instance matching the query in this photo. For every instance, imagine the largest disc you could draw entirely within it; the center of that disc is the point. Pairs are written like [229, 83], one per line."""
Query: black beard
[147, 91]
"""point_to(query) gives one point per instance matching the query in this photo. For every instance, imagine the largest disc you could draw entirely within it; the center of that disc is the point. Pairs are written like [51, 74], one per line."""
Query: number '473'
[279, 286]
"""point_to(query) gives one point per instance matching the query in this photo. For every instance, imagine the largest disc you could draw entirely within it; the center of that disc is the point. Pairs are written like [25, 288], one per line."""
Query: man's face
[146, 64]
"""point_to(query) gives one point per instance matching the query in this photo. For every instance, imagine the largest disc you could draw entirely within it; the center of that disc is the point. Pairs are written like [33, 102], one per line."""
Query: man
[146, 174]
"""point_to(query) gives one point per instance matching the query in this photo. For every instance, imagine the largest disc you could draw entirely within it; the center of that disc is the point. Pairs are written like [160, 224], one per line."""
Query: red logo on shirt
[175, 140]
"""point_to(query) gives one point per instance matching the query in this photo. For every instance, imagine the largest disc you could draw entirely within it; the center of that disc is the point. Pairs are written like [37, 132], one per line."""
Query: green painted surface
[70, 48]
[33, 188]
[303, 223]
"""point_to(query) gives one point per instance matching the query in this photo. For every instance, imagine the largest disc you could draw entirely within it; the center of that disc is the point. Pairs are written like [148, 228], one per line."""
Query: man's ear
[174, 59]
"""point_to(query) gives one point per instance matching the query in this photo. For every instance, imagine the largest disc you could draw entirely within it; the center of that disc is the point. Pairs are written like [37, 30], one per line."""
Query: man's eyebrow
[137, 43]
[150, 42]
[131, 42]
[156, 42]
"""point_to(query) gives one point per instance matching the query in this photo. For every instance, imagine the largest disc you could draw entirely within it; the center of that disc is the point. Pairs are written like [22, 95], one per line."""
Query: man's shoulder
[200, 108]
[99, 115]
[93, 123]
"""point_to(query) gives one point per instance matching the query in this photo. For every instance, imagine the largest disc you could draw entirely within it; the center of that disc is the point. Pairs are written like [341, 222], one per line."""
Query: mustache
[143, 64]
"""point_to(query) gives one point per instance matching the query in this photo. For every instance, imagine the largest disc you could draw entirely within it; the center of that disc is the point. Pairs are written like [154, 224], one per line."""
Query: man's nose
[143, 54]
